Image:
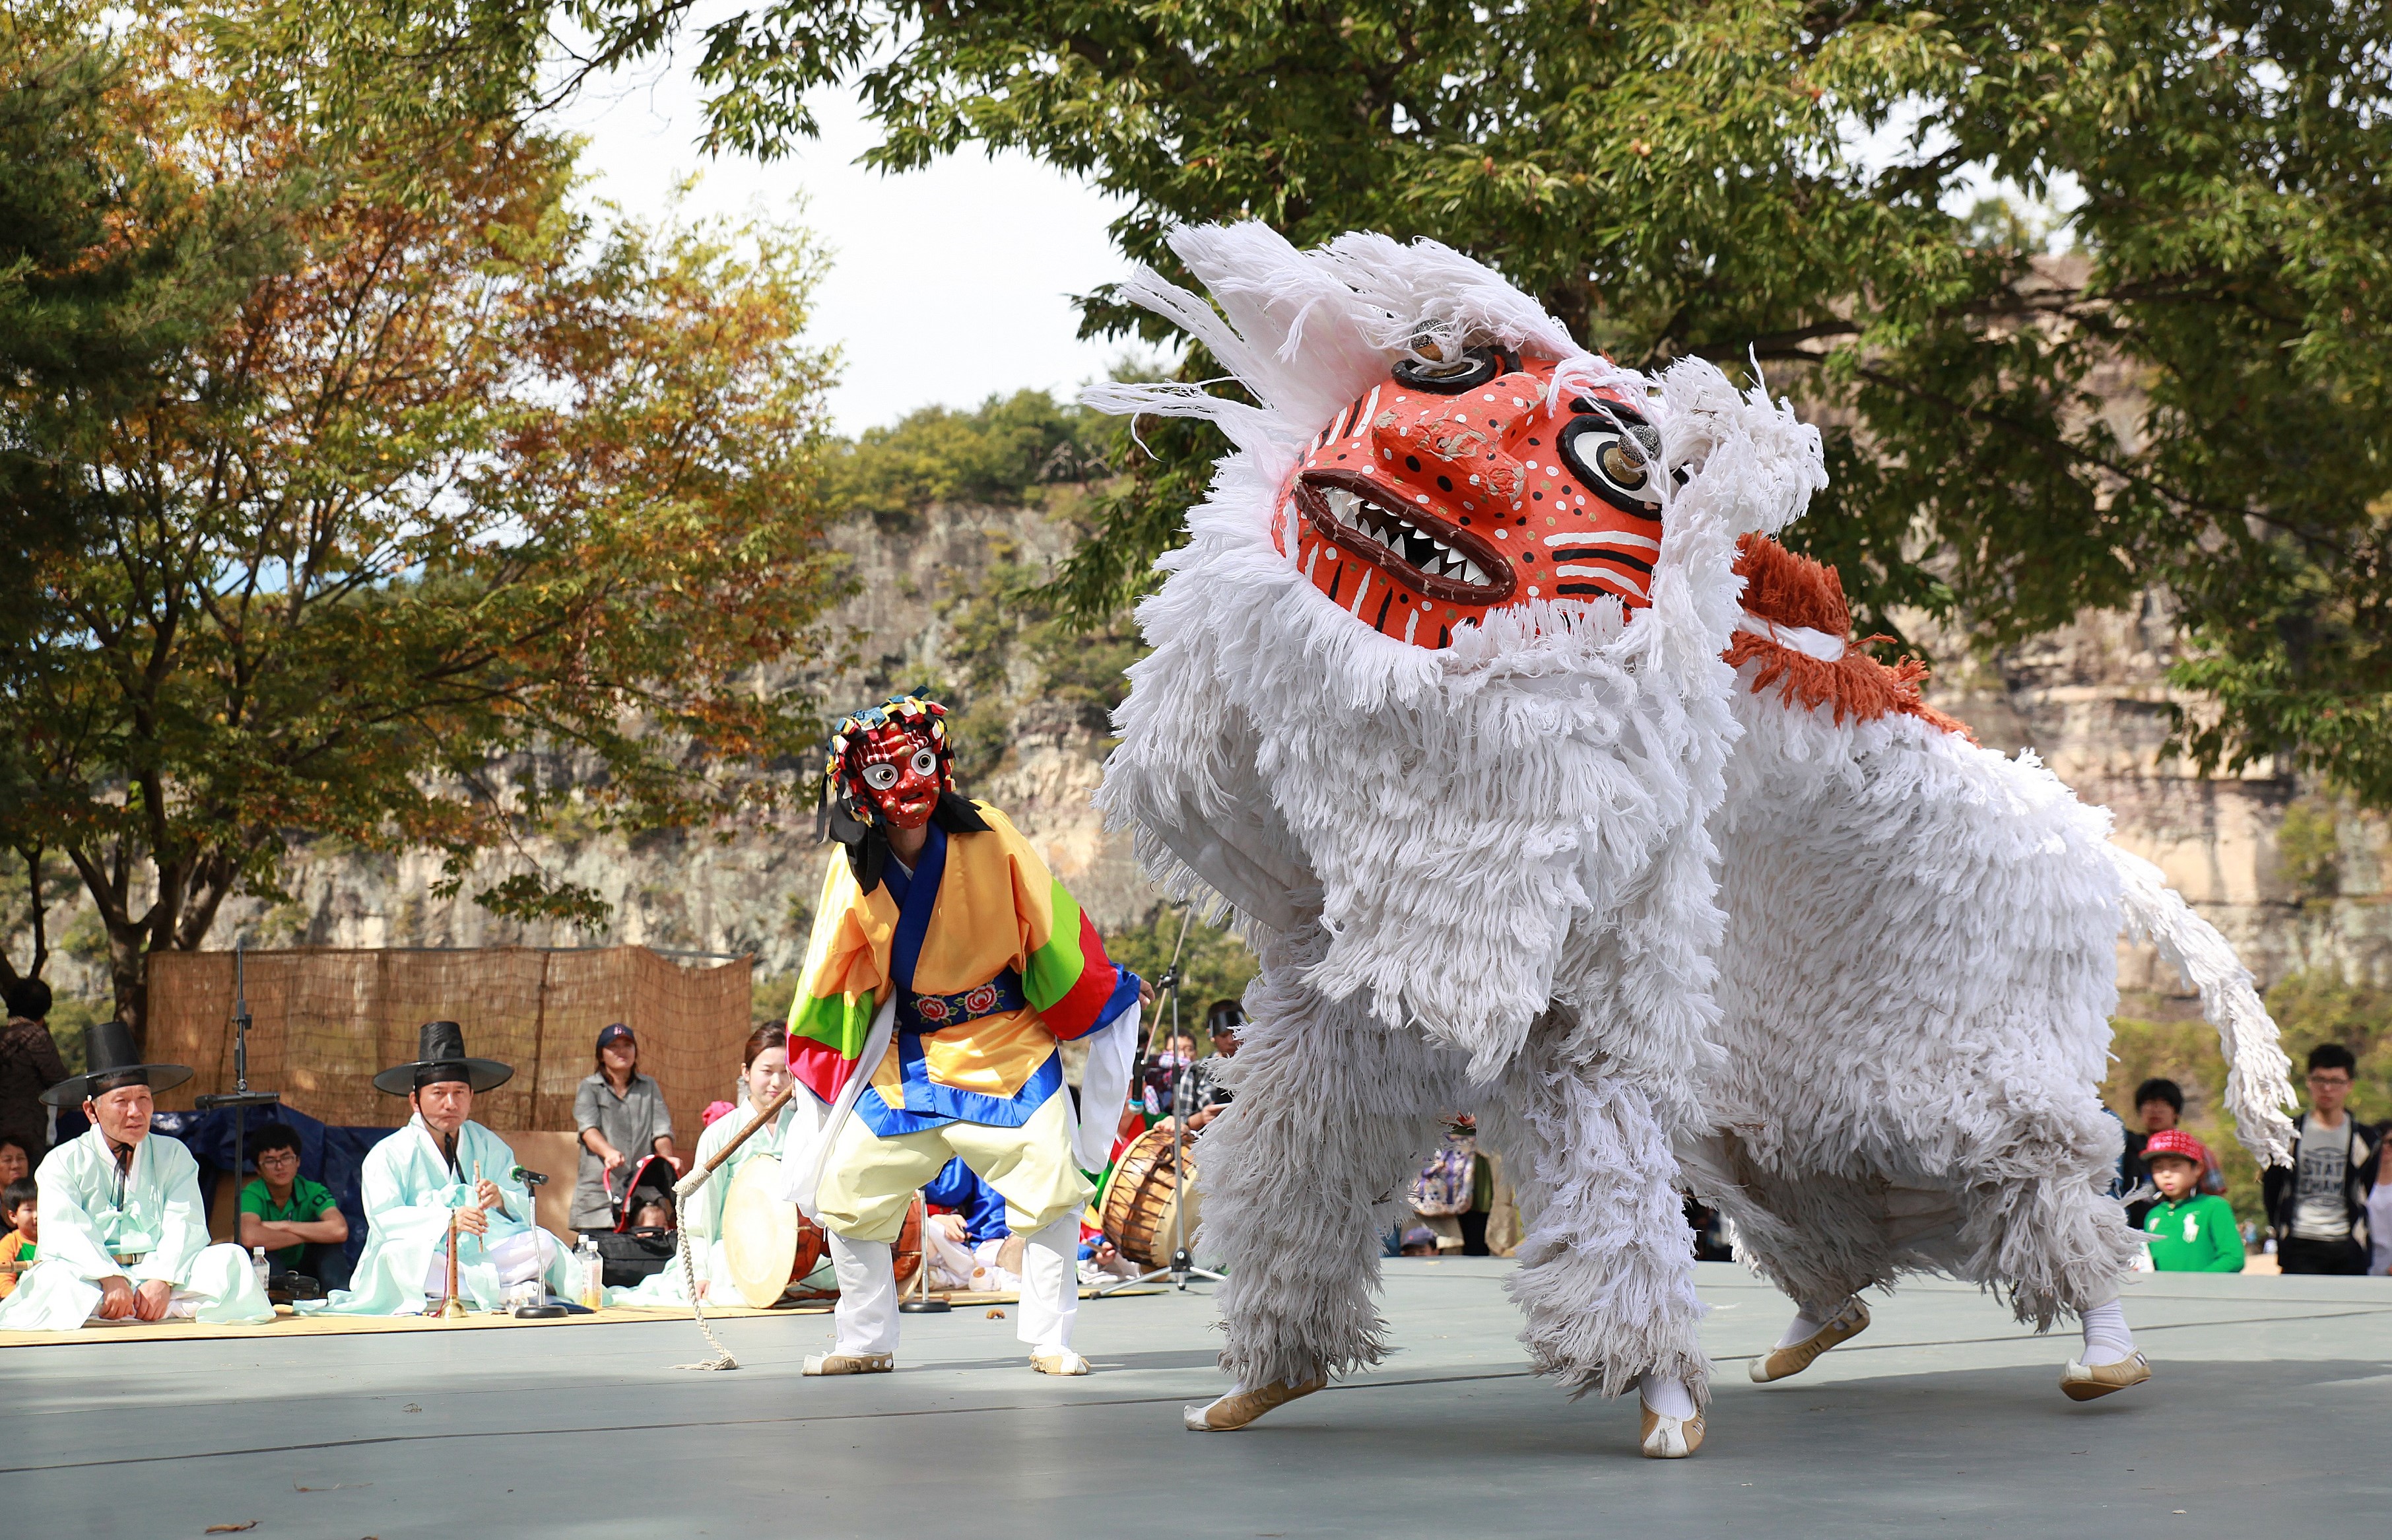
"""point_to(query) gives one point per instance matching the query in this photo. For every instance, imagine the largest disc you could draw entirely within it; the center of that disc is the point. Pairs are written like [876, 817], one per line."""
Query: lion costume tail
[2259, 1086]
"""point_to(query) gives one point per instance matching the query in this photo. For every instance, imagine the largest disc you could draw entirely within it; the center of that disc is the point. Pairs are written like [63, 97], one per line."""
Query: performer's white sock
[1669, 1397]
[866, 1312]
[1810, 1319]
[1050, 1284]
[2107, 1340]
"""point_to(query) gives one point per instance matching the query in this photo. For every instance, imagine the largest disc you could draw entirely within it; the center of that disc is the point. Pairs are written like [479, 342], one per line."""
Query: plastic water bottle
[257, 1262]
[593, 1273]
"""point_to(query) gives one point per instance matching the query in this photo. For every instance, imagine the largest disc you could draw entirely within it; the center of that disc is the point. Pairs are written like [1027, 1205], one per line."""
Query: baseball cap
[2176, 1141]
[615, 1033]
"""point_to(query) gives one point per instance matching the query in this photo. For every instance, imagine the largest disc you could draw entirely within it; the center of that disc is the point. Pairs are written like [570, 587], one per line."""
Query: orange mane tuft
[1784, 589]
[1790, 590]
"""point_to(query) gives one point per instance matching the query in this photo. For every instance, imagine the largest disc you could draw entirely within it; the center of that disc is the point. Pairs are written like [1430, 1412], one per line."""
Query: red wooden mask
[893, 760]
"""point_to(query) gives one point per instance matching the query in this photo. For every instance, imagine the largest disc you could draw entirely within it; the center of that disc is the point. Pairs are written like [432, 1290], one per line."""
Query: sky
[946, 285]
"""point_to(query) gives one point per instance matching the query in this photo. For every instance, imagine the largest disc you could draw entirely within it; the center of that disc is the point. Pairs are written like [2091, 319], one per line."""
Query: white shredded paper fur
[1499, 850]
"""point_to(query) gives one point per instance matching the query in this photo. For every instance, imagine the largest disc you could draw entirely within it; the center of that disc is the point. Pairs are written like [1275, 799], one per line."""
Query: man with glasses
[2317, 1207]
[285, 1213]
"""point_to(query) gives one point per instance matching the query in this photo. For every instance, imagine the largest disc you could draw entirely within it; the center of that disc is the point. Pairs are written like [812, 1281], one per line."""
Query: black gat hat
[113, 1060]
[440, 1055]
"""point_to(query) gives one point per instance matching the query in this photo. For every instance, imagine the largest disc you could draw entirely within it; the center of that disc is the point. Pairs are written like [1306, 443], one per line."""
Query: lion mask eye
[1612, 454]
[880, 776]
[924, 762]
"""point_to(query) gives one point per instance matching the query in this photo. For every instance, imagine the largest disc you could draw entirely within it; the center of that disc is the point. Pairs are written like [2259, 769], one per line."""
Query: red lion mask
[1449, 491]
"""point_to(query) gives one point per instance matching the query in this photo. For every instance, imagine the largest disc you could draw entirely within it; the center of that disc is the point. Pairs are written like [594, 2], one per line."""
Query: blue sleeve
[983, 1211]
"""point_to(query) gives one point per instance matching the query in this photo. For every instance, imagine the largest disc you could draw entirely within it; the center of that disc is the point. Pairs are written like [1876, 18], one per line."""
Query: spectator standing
[16, 1158]
[2189, 1230]
[2318, 1208]
[29, 1062]
[282, 1210]
[2379, 1213]
[2160, 1104]
[622, 1118]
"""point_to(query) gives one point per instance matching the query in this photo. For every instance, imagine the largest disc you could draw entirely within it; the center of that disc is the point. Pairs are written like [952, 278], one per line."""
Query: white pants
[220, 1286]
[1050, 1290]
[519, 1259]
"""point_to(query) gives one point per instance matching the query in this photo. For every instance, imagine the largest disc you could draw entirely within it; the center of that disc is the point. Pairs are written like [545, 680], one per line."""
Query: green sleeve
[2222, 1236]
[252, 1198]
[319, 1200]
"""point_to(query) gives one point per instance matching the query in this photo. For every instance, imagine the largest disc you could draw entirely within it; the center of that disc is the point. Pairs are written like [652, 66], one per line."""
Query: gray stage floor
[2268, 1409]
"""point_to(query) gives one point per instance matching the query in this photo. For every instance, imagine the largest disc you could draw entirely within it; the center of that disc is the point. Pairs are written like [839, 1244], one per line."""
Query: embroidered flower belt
[920, 1013]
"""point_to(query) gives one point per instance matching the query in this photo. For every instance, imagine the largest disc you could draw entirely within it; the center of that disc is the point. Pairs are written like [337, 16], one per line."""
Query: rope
[722, 1359]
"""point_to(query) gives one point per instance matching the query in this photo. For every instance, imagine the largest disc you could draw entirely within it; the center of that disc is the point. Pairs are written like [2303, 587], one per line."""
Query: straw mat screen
[325, 1021]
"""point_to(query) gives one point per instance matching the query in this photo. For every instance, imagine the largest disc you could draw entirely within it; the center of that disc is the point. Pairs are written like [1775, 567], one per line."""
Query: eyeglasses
[2328, 1078]
[279, 1157]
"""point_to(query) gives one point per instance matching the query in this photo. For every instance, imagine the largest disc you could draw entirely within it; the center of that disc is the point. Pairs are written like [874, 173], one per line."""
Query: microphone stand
[240, 1098]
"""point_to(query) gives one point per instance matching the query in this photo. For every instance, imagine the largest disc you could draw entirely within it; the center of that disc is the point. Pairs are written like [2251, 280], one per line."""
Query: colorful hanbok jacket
[991, 964]
[408, 1188]
[146, 1226]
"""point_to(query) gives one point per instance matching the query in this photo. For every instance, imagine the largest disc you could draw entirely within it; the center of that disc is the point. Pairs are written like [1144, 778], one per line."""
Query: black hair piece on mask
[867, 844]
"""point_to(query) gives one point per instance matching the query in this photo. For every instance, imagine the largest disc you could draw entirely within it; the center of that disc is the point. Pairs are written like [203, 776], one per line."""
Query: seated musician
[762, 1079]
[123, 1236]
[967, 1242]
[1209, 1096]
[444, 1164]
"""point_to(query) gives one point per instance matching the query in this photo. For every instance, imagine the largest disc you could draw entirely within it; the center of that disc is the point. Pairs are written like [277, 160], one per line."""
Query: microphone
[529, 1178]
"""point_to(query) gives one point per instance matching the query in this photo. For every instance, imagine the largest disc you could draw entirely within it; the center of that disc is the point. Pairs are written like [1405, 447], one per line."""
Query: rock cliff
[2292, 881]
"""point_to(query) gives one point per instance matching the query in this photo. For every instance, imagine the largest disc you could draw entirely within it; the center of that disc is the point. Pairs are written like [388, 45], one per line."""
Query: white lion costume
[1438, 703]
[1915, 988]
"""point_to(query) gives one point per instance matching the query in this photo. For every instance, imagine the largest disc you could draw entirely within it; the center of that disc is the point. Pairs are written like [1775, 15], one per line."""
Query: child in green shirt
[2188, 1230]
[282, 1210]
[20, 1210]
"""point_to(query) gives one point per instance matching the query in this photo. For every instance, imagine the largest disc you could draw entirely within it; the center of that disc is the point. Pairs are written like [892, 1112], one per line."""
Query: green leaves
[2198, 399]
[434, 515]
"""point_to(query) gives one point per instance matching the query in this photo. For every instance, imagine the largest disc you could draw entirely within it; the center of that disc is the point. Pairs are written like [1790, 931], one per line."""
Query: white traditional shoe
[850, 1364]
[1665, 1438]
[1057, 1361]
[1240, 1407]
[2079, 1383]
[1786, 1362]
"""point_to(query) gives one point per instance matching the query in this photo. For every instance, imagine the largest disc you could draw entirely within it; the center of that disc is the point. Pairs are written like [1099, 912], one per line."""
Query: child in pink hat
[2188, 1230]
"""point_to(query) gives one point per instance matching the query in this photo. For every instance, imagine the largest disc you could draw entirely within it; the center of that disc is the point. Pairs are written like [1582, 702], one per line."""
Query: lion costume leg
[2039, 1223]
[1820, 1237]
[1301, 1175]
[1607, 1269]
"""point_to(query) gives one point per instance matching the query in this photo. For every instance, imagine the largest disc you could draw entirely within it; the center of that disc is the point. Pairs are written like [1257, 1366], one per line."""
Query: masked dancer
[947, 964]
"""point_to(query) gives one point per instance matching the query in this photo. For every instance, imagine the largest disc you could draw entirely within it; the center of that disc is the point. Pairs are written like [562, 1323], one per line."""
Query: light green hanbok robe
[156, 1225]
[701, 1213]
[409, 1191]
